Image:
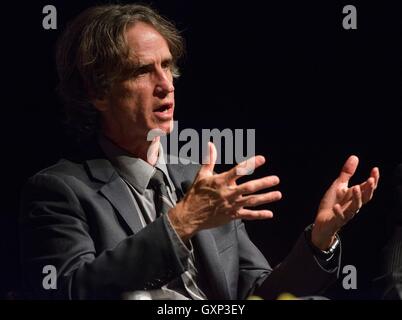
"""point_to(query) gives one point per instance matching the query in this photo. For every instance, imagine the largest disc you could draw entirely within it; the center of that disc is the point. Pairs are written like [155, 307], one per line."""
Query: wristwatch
[322, 254]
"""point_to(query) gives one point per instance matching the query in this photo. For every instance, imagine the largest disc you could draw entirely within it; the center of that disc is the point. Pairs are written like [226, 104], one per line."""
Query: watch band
[322, 254]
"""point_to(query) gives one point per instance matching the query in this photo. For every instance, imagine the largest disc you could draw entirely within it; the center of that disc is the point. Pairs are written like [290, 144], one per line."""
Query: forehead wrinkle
[146, 44]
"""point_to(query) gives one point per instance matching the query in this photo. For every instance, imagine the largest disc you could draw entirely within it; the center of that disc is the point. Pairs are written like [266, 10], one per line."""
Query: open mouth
[165, 108]
[164, 112]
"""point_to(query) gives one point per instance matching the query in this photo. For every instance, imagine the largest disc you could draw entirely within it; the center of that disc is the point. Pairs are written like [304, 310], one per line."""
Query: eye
[167, 64]
[142, 71]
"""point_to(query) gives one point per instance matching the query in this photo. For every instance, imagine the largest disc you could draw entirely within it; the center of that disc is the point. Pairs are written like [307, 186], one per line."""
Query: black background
[314, 92]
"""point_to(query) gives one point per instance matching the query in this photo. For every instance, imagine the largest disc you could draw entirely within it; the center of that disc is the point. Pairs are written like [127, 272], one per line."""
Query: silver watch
[324, 254]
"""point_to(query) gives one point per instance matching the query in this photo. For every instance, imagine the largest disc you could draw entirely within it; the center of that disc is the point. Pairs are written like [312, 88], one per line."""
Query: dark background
[314, 92]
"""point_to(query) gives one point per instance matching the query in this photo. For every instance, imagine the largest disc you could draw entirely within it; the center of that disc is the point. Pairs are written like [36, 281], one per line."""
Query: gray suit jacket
[79, 217]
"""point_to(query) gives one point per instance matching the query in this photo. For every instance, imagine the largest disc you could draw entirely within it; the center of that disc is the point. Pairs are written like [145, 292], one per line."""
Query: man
[117, 222]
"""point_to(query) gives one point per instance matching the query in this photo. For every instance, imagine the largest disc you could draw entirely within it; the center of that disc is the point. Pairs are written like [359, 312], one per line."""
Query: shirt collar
[135, 170]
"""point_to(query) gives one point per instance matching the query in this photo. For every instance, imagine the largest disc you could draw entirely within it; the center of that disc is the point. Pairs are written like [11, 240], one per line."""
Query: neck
[142, 149]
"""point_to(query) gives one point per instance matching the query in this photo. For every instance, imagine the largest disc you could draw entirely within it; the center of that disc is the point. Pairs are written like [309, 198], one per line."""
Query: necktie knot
[157, 180]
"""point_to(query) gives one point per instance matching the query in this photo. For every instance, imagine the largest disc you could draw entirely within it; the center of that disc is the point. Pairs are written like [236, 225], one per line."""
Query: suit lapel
[116, 192]
[211, 271]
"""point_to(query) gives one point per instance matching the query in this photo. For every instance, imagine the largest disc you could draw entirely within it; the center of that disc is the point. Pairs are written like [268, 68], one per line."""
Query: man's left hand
[341, 203]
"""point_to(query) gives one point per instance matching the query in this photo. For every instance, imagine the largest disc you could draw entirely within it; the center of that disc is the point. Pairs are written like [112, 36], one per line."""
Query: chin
[161, 129]
[171, 126]
[166, 127]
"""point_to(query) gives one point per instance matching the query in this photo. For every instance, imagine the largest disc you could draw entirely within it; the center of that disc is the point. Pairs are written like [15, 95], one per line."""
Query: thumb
[208, 163]
[348, 169]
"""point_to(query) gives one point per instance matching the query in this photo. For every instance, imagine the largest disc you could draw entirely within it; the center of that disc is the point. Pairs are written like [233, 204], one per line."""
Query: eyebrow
[150, 65]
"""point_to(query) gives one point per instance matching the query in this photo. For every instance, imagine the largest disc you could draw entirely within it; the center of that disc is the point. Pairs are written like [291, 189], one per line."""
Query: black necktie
[161, 196]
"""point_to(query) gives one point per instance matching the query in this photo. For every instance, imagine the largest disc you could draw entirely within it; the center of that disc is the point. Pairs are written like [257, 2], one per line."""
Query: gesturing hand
[340, 203]
[215, 199]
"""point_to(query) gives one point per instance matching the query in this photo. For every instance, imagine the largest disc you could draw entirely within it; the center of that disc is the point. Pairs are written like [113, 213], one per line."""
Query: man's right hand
[216, 199]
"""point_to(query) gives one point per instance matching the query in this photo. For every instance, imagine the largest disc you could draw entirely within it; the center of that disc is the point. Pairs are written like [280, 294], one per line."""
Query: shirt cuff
[326, 260]
[180, 248]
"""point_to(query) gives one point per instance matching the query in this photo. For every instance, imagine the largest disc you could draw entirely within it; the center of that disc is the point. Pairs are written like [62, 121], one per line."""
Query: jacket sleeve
[55, 231]
[300, 273]
[254, 268]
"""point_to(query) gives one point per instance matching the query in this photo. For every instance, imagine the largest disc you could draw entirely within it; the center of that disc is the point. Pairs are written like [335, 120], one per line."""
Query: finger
[255, 185]
[247, 214]
[246, 167]
[367, 188]
[344, 194]
[357, 198]
[348, 169]
[208, 163]
[340, 220]
[370, 185]
[351, 209]
[338, 211]
[259, 199]
[375, 173]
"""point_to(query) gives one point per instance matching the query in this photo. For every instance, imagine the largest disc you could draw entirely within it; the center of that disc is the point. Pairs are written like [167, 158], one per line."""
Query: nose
[164, 84]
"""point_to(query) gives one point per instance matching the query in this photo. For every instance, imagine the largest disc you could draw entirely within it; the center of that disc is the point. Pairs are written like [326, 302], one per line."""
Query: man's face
[145, 101]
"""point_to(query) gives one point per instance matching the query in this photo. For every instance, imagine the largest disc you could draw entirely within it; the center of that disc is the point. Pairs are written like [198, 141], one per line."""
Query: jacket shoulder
[64, 168]
[73, 175]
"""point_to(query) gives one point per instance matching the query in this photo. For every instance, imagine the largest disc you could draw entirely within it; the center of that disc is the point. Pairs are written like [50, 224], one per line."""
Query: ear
[100, 102]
